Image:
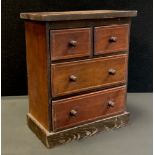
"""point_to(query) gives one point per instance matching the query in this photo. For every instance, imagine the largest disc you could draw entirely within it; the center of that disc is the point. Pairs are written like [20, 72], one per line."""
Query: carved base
[51, 139]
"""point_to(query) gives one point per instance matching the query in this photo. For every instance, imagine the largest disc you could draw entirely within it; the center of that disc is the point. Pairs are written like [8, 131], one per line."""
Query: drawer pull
[73, 43]
[111, 103]
[113, 39]
[73, 78]
[112, 71]
[73, 112]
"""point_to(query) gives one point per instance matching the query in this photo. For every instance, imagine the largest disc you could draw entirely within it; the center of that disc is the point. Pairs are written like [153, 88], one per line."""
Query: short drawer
[70, 43]
[84, 108]
[109, 39]
[71, 77]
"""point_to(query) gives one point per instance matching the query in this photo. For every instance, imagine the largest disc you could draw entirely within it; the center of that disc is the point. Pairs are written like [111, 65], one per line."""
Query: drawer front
[84, 108]
[70, 43]
[110, 39]
[77, 76]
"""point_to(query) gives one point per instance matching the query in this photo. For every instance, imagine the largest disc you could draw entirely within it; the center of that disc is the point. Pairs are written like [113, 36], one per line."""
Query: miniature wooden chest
[77, 64]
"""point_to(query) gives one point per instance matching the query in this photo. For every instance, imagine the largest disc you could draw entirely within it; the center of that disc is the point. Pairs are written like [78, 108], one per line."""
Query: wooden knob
[113, 39]
[111, 103]
[73, 78]
[73, 112]
[112, 71]
[73, 43]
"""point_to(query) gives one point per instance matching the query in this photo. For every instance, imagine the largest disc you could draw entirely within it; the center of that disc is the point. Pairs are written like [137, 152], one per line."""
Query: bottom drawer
[84, 108]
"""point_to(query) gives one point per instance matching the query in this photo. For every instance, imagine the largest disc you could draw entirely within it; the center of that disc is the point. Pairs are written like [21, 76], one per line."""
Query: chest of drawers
[77, 66]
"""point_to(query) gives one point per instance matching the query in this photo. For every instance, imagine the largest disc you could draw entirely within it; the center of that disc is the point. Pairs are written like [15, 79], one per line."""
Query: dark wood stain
[90, 74]
[36, 52]
[61, 47]
[74, 15]
[53, 139]
[105, 34]
[88, 107]
[89, 91]
[87, 23]
[77, 65]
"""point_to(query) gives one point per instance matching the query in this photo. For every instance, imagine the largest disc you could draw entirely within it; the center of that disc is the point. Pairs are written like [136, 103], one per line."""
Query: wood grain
[90, 74]
[76, 15]
[104, 34]
[72, 93]
[52, 139]
[61, 47]
[36, 52]
[88, 107]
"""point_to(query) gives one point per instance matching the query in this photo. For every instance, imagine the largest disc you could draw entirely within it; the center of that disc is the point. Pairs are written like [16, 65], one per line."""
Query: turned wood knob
[112, 71]
[73, 78]
[113, 39]
[73, 112]
[111, 103]
[73, 43]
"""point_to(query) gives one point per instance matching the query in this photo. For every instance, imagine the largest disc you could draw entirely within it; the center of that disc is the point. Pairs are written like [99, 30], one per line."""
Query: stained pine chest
[77, 65]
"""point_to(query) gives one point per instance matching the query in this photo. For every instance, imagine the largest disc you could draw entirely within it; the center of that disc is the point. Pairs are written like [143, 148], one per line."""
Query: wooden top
[77, 15]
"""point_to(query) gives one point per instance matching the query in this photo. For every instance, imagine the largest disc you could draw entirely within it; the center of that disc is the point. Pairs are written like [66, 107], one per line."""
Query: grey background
[134, 139]
[14, 78]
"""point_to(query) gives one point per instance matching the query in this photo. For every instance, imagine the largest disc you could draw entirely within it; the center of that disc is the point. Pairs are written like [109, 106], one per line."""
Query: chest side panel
[36, 53]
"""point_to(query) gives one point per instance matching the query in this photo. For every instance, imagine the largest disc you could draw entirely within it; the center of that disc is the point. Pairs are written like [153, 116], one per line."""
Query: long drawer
[84, 108]
[71, 77]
